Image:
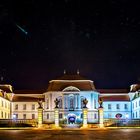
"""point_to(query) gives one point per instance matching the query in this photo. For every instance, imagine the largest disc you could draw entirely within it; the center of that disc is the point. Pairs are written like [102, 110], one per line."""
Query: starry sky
[39, 39]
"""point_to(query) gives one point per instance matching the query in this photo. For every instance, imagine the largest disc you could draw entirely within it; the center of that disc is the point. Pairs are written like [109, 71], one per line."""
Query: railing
[122, 122]
[18, 122]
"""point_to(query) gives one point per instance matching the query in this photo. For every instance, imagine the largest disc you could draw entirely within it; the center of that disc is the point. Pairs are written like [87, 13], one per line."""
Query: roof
[27, 99]
[66, 80]
[29, 91]
[61, 85]
[6, 88]
[71, 77]
[112, 91]
[134, 87]
[115, 98]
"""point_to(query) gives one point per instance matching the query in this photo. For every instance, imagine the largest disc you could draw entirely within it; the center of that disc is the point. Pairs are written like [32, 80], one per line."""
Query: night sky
[39, 39]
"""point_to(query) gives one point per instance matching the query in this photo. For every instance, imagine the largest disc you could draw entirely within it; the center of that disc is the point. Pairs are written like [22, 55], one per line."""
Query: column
[40, 117]
[85, 111]
[101, 118]
[56, 117]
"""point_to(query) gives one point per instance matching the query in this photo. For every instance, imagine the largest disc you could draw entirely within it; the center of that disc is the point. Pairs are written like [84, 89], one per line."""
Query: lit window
[33, 116]
[24, 107]
[33, 106]
[24, 116]
[117, 106]
[109, 106]
[125, 106]
[16, 107]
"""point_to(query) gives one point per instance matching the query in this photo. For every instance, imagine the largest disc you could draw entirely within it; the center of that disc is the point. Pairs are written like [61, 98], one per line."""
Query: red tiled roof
[26, 99]
[113, 90]
[115, 98]
[29, 91]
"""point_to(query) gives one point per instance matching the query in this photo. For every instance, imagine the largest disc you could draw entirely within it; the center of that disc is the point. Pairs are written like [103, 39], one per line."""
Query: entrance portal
[71, 119]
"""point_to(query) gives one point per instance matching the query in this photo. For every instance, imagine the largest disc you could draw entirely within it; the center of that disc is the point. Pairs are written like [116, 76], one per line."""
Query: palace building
[70, 90]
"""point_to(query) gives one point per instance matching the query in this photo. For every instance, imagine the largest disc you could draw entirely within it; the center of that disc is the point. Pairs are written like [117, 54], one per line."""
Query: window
[136, 114]
[139, 102]
[133, 115]
[5, 115]
[136, 103]
[16, 116]
[133, 105]
[24, 116]
[33, 116]
[33, 106]
[2, 103]
[117, 106]
[94, 103]
[60, 115]
[24, 107]
[16, 107]
[81, 115]
[109, 115]
[125, 106]
[47, 101]
[47, 116]
[1, 114]
[5, 105]
[71, 102]
[95, 116]
[109, 106]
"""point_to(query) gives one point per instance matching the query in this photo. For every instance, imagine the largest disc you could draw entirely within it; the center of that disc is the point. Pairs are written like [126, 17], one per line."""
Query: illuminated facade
[70, 90]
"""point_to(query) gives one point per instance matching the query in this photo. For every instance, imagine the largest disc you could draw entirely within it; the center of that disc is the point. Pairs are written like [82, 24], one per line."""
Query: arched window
[71, 102]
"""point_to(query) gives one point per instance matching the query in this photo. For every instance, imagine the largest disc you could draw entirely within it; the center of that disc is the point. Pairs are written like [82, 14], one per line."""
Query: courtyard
[105, 134]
